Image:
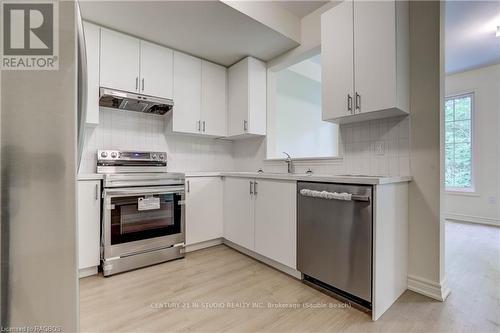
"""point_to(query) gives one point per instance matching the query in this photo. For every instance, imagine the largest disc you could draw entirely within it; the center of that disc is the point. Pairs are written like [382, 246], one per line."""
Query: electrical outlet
[379, 148]
[492, 200]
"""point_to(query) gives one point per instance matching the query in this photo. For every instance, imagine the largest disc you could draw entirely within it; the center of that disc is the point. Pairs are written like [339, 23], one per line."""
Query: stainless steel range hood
[122, 100]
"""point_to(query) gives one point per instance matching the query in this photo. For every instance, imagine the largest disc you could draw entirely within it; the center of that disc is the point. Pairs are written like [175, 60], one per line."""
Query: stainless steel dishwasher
[335, 239]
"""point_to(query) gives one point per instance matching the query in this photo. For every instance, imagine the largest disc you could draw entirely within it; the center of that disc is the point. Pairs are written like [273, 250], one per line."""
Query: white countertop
[347, 179]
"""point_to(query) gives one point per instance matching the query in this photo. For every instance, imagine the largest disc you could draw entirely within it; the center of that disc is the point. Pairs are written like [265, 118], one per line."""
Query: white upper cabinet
[199, 96]
[187, 93]
[213, 99]
[276, 220]
[247, 98]
[120, 54]
[204, 212]
[337, 62]
[92, 34]
[156, 69]
[134, 65]
[368, 77]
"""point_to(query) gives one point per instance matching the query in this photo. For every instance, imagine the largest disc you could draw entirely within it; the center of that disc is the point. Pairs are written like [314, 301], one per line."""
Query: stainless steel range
[143, 213]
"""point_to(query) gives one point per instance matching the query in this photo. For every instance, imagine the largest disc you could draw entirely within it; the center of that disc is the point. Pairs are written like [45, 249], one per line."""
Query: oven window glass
[143, 217]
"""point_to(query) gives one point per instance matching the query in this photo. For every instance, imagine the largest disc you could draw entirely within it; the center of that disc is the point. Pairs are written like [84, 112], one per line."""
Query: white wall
[134, 130]
[481, 206]
[426, 241]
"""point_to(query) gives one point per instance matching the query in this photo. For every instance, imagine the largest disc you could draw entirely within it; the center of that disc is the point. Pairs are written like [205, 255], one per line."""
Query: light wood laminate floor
[137, 301]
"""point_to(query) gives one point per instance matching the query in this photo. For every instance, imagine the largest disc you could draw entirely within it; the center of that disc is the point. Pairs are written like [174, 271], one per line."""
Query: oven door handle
[143, 191]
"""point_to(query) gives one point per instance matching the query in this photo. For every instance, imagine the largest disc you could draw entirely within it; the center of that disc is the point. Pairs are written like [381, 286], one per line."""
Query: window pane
[449, 132]
[448, 115]
[462, 151]
[462, 108]
[462, 131]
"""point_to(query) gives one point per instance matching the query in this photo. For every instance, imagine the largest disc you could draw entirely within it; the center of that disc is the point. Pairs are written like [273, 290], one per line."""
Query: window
[458, 143]
[294, 123]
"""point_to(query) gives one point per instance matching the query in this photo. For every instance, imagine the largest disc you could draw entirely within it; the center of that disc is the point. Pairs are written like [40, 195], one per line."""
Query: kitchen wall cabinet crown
[365, 60]
[260, 215]
[134, 65]
[247, 98]
[200, 89]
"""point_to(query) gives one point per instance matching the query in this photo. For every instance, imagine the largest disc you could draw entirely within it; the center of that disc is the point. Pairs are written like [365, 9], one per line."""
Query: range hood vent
[122, 100]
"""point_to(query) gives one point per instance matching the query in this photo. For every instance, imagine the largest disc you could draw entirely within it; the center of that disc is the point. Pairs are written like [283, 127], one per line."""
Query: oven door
[142, 219]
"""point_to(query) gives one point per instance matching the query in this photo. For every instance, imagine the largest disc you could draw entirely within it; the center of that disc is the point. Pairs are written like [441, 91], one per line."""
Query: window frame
[462, 190]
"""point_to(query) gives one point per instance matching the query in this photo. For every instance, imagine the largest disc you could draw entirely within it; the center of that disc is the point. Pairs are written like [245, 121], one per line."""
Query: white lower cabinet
[89, 226]
[238, 212]
[276, 220]
[204, 215]
[260, 215]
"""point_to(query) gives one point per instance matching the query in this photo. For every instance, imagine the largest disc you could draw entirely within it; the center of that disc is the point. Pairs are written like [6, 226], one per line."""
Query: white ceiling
[208, 29]
[470, 40]
[300, 8]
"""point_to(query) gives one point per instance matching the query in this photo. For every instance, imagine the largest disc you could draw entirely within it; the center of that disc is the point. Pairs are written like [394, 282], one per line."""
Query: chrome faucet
[289, 163]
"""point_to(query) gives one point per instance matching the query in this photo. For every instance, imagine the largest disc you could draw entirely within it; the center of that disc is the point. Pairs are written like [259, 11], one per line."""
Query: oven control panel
[107, 156]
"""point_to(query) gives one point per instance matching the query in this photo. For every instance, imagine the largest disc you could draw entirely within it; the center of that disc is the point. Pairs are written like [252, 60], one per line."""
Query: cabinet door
[213, 99]
[187, 93]
[156, 70]
[119, 68]
[257, 90]
[337, 71]
[238, 98]
[375, 54]
[89, 223]
[238, 212]
[92, 40]
[204, 211]
[276, 220]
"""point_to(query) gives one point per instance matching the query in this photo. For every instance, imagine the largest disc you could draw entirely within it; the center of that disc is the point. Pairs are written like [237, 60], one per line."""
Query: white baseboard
[202, 245]
[84, 272]
[437, 291]
[472, 219]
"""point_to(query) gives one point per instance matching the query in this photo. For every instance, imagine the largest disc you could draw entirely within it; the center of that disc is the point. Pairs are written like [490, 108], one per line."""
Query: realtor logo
[29, 36]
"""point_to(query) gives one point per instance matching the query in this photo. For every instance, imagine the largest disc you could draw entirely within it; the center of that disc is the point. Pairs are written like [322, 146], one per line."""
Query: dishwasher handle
[334, 195]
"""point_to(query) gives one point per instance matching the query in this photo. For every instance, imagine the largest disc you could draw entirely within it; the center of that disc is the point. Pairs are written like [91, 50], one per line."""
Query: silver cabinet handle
[358, 102]
[203, 125]
[188, 186]
[96, 192]
[255, 188]
[245, 125]
[142, 84]
[349, 103]
[136, 83]
[199, 125]
[251, 187]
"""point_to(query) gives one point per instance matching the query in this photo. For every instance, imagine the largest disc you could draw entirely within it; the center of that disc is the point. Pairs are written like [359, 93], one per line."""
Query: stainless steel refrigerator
[41, 141]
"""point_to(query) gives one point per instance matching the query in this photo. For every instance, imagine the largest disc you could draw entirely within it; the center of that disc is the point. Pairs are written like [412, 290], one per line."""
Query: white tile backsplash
[137, 131]
[357, 144]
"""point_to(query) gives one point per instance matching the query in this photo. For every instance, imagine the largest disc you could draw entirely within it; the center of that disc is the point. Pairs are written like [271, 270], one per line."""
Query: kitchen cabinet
[247, 98]
[92, 35]
[199, 96]
[373, 62]
[260, 215]
[89, 226]
[120, 60]
[204, 211]
[213, 99]
[156, 70]
[134, 65]
[187, 93]
[239, 211]
[276, 220]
